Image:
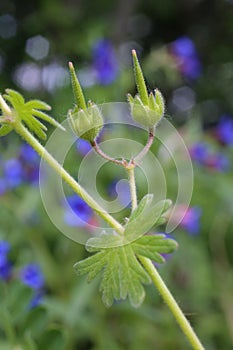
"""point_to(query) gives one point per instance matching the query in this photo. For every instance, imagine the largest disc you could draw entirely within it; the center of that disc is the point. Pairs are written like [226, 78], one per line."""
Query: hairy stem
[159, 283]
[27, 136]
[132, 185]
[101, 153]
[172, 304]
[147, 146]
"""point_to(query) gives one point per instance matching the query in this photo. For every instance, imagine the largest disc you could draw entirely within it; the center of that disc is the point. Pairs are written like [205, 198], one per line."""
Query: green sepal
[139, 78]
[77, 90]
[87, 123]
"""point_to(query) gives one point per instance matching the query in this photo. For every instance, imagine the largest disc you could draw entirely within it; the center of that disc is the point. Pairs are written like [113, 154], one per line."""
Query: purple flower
[28, 155]
[218, 162]
[5, 265]
[13, 172]
[184, 51]
[30, 162]
[31, 275]
[105, 62]
[79, 213]
[224, 130]
[83, 146]
[201, 154]
[36, 299]
[191, 220]
[5, 270]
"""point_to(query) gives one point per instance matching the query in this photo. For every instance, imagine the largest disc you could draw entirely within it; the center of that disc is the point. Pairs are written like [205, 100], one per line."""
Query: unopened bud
[87, 123]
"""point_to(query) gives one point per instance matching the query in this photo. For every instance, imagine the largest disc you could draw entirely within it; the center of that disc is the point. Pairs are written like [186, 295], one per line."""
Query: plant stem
[172, 304]
[147, 146]
[159, 283]
[101, 153]
[132, 185]
[27, 136]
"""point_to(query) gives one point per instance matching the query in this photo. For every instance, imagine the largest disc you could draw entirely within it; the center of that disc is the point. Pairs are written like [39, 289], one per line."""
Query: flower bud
[145, 109]
[147, 115]
[86, 123]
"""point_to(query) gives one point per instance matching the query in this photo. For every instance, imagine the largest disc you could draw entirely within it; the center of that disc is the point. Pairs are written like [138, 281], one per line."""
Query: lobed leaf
[145, 216]
[152, 246]
[29, 112]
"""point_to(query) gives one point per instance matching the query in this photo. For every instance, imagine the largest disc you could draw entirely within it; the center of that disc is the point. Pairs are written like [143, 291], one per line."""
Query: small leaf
[152, 246]
[15, 98]
[144, 217]
[5, 129]
[29, 112]
[91, 265]
[47, 118]
[37, 104]
[123, 275]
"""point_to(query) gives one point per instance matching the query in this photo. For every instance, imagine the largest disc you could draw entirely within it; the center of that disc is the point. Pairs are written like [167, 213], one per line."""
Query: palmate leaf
[29, 112]
[122, 273]
[145, 216]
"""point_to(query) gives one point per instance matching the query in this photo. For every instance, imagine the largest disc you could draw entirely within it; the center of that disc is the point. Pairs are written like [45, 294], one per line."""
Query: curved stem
[99, 151]
[27, 136]
[148, 145]
[172, 304]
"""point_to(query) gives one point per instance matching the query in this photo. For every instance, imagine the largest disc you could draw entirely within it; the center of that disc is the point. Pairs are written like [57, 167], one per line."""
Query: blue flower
[79, 213]
[224, 130]
[36, 299]
[13, 172]
[105, 62]
[186, 57]
[30, 162]
[31, 275]
[5, 270]
[28, 155]
[191, 220]
[201, 153]
[5, 265]
[83, 146]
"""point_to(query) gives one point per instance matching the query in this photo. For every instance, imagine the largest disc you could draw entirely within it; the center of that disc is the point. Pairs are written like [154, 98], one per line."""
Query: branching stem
[27, 136]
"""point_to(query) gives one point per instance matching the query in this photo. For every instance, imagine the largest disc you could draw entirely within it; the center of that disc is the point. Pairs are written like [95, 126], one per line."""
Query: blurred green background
[185, 48]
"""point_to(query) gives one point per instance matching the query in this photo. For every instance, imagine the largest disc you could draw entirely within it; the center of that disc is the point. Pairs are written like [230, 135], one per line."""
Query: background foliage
[186, 50]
